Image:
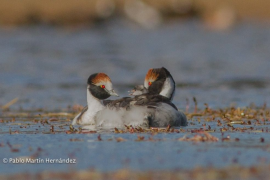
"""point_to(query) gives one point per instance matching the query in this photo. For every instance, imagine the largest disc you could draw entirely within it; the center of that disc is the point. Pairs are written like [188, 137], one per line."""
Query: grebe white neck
[168, 88]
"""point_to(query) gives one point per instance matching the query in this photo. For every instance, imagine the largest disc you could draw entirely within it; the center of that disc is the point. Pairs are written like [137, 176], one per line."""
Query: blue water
[167, 153]
[47, 67]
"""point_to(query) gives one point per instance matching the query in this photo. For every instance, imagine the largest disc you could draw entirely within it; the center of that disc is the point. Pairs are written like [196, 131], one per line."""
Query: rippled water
[166, 154]
[48, 67]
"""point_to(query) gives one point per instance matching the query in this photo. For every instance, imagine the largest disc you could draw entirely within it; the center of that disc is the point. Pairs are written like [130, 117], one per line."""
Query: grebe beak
[112, 92]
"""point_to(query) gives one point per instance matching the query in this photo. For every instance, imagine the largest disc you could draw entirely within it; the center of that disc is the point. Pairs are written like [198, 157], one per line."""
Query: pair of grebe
[150, 105]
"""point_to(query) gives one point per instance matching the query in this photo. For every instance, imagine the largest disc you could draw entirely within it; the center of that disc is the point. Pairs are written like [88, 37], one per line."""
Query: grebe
[99, 87]
[164, 87]
[151, 109]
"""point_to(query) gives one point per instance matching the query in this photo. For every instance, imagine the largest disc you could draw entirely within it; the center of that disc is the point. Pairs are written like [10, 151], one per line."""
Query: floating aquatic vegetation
[7, 105]
[12, 149]
[120, 139]
[140, 138]
[226, 127]
[99, 138]
[230, 119]
[200, 137]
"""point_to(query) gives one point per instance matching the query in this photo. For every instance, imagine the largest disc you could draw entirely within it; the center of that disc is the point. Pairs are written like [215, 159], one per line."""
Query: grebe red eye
[102, 86]
[149, 83]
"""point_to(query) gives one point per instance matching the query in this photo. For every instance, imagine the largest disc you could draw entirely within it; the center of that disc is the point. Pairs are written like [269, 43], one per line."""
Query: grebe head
[160, 81]
[100, 86]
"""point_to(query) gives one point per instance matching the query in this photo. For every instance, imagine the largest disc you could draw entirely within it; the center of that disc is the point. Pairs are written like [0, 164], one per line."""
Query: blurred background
[217, 51]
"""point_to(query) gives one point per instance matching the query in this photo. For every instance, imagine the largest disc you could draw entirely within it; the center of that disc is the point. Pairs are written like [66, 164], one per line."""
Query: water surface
[48, 67]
